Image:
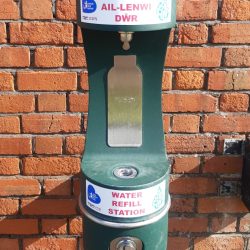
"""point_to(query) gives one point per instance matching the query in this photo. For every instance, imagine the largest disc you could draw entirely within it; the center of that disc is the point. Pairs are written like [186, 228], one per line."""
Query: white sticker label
[125, 204]
[126, 12]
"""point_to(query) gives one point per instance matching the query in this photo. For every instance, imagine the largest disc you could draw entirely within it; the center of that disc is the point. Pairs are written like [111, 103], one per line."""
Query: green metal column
[114, 207]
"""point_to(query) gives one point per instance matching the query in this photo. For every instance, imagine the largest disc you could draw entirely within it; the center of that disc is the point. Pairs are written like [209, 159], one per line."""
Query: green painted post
[130, 212]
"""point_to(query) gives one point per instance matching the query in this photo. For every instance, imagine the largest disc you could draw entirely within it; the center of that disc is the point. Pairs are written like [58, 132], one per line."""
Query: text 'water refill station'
[125, 198]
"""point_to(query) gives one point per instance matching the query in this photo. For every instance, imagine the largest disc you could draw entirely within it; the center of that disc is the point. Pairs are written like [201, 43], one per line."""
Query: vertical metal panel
[125, 103]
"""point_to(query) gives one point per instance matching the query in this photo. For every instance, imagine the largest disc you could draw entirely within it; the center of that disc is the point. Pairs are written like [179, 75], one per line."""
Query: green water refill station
[125, 198]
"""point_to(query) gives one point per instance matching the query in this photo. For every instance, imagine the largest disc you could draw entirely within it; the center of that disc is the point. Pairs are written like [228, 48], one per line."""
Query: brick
[166, 123]
[13, 57]
[48, 206]
[9, 166]
[186, 165]
[75, 145]
[223, 164]
[57, 187]
[48, 243]
[48, 145]
[237, 57]
[231, 33]
[219, 242]
[76, 57]
[75, 226]
[8, 207]
[78, 102]
[35, 9]
[51, 103]
[9, 10]
[84, 80]
[6, 81]
[51, 166]
[188, 103]
[229, 80]
[76, 187]
[227, 123]
[224, 224]
[85, 122]
[192, 34]
[189, 80]
[66, 9]
[193, 185]
[17, 103]
[236, 10]
[15, 146]
[81, 243]
[197, 9]
[217, 80]
[234, 102]
[221, 205]
[48, 124]
[18, 226]
[180, 243]
[182, 205]
[47, 81]
[54, 226]
[79, 35]
[186, 123]
[41, 33]
[193, 57]
[245, 223]
[172, 36]
[188, 225]
[19, 187]
[49, 57]
[167, 80]
[10, 124]
[3, 34]
[9, 244]
[189, 144]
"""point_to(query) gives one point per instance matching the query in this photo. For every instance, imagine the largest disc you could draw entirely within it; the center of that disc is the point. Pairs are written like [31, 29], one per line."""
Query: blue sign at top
[89, 6]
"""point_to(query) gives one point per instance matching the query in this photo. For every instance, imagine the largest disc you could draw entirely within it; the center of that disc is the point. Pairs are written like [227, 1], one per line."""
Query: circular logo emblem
[158, 199]
[163, 10]
[89, 6]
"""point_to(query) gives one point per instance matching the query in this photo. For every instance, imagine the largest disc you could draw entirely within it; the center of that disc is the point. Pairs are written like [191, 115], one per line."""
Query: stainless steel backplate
[125, 103]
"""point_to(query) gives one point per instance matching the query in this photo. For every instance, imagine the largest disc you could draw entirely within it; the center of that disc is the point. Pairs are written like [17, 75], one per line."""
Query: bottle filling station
[125, 198]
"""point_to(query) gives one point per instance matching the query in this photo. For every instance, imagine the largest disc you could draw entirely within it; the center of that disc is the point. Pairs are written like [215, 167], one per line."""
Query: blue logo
[93, 196]
[89, 6]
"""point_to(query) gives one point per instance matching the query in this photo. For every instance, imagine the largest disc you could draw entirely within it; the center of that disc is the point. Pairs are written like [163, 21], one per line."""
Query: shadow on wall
[48, 222]
[207, 211]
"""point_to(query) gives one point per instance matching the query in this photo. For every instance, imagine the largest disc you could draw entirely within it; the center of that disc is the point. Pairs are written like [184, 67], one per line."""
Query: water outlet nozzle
[126, 38]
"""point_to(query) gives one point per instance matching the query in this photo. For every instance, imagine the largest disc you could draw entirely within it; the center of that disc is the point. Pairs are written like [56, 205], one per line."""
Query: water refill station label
[125, 204]
[126, 12]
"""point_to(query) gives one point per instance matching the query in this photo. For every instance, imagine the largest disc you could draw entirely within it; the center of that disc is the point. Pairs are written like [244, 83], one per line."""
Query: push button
[126, 245]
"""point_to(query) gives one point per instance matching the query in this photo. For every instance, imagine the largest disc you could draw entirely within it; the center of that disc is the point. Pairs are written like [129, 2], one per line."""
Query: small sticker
[125, 203]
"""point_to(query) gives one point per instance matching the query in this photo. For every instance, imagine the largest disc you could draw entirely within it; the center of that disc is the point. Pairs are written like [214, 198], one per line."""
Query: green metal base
[149, 173]
[98, 237]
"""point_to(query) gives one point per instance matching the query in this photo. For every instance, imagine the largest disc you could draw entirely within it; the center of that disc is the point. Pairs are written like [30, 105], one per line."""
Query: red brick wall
[43, 106]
